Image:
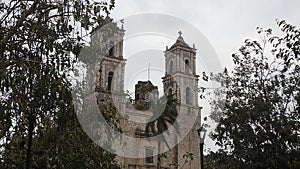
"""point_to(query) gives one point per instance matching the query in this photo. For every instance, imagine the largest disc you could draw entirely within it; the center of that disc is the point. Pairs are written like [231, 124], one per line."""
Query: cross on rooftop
[180, 33]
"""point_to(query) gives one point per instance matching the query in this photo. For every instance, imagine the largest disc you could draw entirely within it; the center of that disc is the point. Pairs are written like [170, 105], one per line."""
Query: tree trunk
[158, 156]
[30, 133]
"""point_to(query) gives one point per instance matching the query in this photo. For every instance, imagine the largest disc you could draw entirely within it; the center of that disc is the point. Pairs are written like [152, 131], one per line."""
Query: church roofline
[180, 47]
[180, 43]
[112, 25]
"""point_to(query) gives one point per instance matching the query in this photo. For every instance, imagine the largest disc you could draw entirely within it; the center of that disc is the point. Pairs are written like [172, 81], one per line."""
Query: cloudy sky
[225, 23]
[217, 27]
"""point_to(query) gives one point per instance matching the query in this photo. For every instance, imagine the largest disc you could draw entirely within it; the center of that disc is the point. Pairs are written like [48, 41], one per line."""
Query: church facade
[180, 80]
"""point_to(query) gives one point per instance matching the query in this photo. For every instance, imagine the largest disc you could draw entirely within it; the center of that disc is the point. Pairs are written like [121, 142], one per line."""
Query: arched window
[100, 76]
[111, 50]
[170, 92]
[171, 67]
[120, 48]
[187, 66]
[109, 80]
[188, 94]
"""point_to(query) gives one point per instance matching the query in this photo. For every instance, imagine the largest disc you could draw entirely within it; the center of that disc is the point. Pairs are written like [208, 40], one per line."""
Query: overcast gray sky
[225, 24]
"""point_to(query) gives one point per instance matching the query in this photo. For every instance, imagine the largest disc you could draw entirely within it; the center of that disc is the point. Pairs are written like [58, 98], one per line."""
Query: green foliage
[188, 157]
[40, 41]
[139, 106]
[259, 112]
[158, 125]
[219, 160]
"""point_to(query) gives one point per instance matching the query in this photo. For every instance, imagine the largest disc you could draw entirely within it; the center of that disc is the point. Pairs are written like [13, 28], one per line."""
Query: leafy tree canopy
[258, 108]
[39, 42]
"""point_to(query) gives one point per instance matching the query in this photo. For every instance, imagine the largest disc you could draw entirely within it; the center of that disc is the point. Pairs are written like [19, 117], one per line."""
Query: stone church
[180, 80]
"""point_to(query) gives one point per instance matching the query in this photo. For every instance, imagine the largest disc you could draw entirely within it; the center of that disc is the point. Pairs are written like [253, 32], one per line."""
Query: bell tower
[180, 75]
[181, 80]
[110, 69]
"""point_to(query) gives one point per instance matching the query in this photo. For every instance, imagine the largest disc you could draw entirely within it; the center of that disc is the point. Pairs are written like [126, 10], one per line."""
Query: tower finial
[180, 33]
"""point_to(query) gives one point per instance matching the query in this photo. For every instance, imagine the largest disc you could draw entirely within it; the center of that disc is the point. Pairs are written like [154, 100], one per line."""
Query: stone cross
[180, 33]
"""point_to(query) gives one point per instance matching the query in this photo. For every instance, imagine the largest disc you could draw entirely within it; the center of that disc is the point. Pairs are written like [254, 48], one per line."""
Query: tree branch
[13, 30]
